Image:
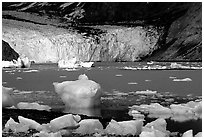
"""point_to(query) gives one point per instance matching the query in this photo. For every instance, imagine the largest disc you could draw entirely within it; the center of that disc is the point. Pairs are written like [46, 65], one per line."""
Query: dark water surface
[35, 85]
[109, 77]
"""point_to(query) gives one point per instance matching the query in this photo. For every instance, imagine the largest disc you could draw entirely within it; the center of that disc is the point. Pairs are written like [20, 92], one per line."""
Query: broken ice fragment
[182, 80]
[65, 121]
[34, 105]
[89, 126]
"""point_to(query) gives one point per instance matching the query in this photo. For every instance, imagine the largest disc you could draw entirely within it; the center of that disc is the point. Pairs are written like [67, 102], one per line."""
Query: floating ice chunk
[34, 105]
[188, 133]
[83, 77]
[46, 134]
[153, 108]
[17, 92]
[114, 128]
[82, 93]
[31, 71]
[136, 115]
[132, 127]
[172, 77]
[146, 92]
[132, 83]
[7, 99]
[159, 124]
[24, 125]
[182, 80]
[62, 76]
[86, 64]
[199, 134]
[66, 121]
[89, 126]
[180, 109]
[118, 75]
[19, 78]
[31, 123]
[11, 124]
[155, 128]
[152, 133]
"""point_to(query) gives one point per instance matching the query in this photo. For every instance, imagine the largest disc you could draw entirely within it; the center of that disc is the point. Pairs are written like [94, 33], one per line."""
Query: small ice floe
[146, 92]
[17, 92]
[118, 75]
[172, 77]
[62, 76]
[19, 78]
[31, 71]
[132, 83]
[67, 69]
[132, 127]
[182, 80]
[156, 128]
[9, 71]
[89, 126]
[74, 63]
[21, 62]
[23, 126]
[150, 63]
[177, 112]
[33, 106]
[129, 68]
[136, 114]
[68, 121]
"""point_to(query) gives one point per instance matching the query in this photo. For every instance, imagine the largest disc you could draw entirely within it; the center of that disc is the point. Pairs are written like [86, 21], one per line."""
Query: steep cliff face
[8, 54]
[139, 31]
[184, 37]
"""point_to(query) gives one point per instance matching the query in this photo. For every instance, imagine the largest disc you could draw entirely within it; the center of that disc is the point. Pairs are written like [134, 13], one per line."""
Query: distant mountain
[179, 23]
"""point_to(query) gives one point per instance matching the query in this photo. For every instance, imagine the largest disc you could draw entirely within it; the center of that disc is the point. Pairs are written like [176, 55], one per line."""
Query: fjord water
[110, 76]
[35, 85]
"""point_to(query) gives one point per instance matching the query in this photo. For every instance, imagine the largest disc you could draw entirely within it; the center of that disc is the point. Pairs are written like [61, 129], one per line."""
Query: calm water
[117, 83]
[110, 76]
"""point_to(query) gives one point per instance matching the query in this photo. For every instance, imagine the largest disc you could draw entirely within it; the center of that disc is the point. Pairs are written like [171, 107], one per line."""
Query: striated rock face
[184, 37]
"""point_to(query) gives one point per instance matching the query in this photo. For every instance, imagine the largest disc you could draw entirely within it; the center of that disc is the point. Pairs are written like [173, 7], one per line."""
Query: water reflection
[96, 111]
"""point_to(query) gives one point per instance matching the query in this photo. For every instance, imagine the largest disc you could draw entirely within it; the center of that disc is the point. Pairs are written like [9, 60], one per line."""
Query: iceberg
[23, 126]
[34, 105]
[21, 62]
[155, 128]
[132, 127]
[89, 126]
[182, 80]
[64, 122]
[188, 133]
[82, 93]
[74, 63]
[7, 99]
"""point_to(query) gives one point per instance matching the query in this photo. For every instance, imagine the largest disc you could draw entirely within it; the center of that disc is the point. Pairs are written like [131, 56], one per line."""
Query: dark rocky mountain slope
[139, 31]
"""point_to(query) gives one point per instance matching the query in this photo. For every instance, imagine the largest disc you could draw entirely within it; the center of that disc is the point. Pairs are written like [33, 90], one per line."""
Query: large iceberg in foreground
[82, 93]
